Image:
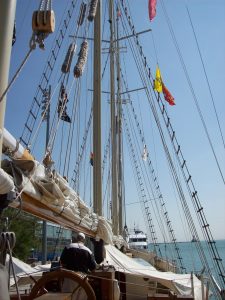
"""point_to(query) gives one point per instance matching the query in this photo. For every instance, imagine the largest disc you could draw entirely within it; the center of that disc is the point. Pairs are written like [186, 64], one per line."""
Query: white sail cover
[24, 272]
[179, 283]
[52, 190]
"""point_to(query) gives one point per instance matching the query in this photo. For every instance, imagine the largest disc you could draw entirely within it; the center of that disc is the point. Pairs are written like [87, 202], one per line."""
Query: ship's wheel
[80, 281]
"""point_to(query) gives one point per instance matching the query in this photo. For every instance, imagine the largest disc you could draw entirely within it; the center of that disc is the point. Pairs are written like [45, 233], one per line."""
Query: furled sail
[50, 197]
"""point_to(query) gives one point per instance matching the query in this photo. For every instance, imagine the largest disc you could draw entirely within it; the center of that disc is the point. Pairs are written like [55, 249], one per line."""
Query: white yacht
[138, 240]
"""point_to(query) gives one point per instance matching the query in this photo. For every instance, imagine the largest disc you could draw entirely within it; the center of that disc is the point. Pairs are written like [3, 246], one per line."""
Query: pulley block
[43, 21]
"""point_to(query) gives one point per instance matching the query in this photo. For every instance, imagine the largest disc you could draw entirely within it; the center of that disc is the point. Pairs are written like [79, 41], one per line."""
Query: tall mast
[7, 18]
[113, 123]
[97, 176]
[119, 126]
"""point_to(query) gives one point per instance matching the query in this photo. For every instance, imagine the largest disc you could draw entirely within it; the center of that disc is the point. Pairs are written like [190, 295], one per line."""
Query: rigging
[146, 75]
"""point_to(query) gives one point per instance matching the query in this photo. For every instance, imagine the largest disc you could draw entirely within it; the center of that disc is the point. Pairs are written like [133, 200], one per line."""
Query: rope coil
[92, 10]
[82, 14]
[79, 68]
[68, 59]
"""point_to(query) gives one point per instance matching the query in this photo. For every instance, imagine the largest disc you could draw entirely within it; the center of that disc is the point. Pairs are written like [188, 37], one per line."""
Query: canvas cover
[179, 283]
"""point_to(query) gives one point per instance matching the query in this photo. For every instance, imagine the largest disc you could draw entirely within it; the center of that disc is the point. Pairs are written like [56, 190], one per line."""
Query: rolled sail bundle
[92, 10]
[119, 241]
[6, 182]
[51, 198]
[12, 148]
[7, 190]
[68, 59]
[82, 14]
[82, 59]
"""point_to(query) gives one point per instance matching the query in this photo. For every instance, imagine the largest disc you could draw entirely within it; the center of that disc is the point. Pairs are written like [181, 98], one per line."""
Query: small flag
[152, 9]
[168, 97]
[118, 13]
[92, 159]
[158, 81]
[145, 153]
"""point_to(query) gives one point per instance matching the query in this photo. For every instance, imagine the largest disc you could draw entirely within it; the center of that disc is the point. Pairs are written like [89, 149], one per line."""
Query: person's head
[81, 237]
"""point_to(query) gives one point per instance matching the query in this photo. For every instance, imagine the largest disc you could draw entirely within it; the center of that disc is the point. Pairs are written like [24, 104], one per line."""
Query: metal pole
[44, 223]
[192, 286]
[202, 285]
[97, 172]
[207, 291]
[7, 18]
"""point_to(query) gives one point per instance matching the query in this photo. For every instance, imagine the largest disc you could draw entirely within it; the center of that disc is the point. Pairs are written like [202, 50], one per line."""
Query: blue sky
[208, 19]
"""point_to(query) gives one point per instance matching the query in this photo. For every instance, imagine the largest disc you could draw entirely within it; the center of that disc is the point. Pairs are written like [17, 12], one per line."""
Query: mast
[119, 130]
[97, 176]
[7, 17]
[113, 124]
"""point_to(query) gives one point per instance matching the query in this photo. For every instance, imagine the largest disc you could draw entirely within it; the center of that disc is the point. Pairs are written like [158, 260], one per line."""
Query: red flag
[118, 13]
[152, 9]
[168, 97]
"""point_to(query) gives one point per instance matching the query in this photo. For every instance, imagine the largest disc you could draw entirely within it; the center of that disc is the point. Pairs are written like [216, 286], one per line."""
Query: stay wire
[206, 76]
[192, 89]
[152, 172]
[148, 185]
[71, 128]
[77, 28]
[139, 169]
[141, 194]
[152, 104]
[146, 177]
[32, 47]
[138, 64]
[193, 195]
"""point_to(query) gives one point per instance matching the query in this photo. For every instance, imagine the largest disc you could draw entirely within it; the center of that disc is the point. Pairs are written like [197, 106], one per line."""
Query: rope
[192, 91]
[140, 185]
[82, 149]
[27, 133]
[157, 186]
[7, 242]
[182, 163]
[41, 6]
[155, 182]
[207, 79]
[32, 47]
[71, 131]
[9, 247]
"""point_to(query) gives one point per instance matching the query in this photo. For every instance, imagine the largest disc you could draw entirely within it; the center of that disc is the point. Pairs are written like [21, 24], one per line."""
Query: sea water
[190, 257]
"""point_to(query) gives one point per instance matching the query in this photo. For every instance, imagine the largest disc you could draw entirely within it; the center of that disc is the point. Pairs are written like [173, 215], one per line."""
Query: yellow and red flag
[158, 81]
[167, 95]
[160, 87]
